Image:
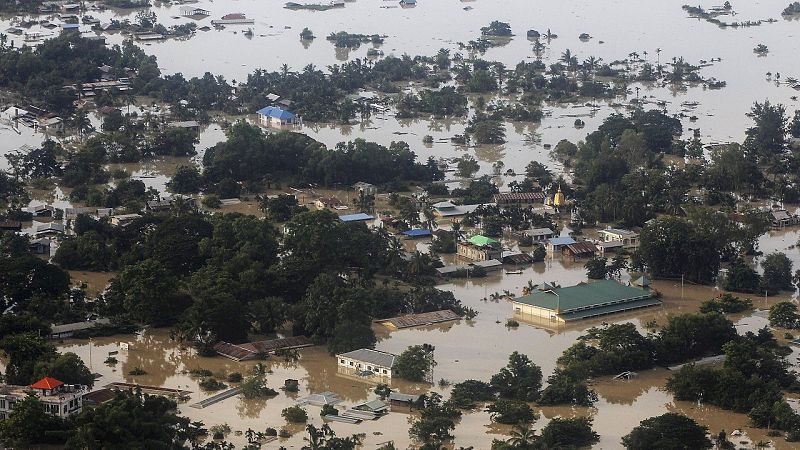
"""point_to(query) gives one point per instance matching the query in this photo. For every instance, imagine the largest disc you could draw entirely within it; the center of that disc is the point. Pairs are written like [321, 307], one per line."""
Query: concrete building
[272, 116]
[59, 399]
[583, 301]
[367, 362]
[365, 188]
[480, 248]
[629, 239]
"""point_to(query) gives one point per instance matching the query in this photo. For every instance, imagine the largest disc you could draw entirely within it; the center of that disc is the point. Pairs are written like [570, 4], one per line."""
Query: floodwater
[466, 349]
[618, 28]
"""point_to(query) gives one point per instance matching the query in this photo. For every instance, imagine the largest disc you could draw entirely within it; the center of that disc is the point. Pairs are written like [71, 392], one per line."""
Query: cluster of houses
[34, 117]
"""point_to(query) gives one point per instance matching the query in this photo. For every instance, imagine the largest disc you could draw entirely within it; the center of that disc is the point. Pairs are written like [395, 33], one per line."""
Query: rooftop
[584, 296]
[481, 241]
[370, 356]
[275, 112]
[619, 232]
[561, 240]
[47, 383]
[539, 231]
[356, 217]
[416, 233]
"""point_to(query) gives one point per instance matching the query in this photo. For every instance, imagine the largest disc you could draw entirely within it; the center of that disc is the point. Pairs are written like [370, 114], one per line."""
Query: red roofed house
[57, 398]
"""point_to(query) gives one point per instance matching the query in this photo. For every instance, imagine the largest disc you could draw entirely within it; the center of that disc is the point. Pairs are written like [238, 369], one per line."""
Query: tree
[146, 292]
[489, 132]
[668, 431]
[596, 268]
[742, 278]
[467, 166]
[520, 380]
[466, 394]
[185, 181]
[295, 414]
[414, 364]
[777, 272]
[511, 412]
[29, 425]
[568, 433]
[768, 135]
[564, 388]
[67, 367]
[23, 351]
[784, 315]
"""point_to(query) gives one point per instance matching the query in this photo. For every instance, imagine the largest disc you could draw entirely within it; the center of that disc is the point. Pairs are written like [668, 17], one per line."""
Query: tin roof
[370, 356]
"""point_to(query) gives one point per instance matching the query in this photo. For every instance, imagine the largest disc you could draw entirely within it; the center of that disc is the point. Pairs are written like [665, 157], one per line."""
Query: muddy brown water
[464, 349]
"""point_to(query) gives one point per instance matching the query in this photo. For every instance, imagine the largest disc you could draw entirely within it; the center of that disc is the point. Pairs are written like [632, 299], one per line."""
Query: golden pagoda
[558, 199]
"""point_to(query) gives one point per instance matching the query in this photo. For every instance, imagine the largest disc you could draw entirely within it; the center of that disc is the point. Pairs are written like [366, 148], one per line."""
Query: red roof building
[47, 384]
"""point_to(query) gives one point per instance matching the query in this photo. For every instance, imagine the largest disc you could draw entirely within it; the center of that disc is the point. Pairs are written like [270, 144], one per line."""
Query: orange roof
[47, 383]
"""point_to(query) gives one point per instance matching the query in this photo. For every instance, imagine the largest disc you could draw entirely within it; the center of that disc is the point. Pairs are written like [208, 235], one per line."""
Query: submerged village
[364, 224]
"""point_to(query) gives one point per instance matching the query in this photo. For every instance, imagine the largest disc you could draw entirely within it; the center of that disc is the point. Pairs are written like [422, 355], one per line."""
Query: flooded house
[480, 248]
[329, 203]
[51, 229]
[122, 220]
[10, 225]
[69, 329]
[583, 301]
[366, 362]
[448, 209]
[628, 239]
[358, 218]
[782, 219]
[519, 199]
[42, 211]
[59, 399]
[272, 116]
[579, 250]
[40, 246]
[556, 244]
[537, 234]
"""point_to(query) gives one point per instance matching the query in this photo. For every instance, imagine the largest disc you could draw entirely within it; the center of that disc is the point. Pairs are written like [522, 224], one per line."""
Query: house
[192, 125]
[70, 27]
[365, 188]
[10, 225]
[51, 229]
[538, 234]
[59, 399]
[629, 239]
[233, 19]
[398, 399]
[356, 218]
[69, 329]
[416, 233]
[408, 2]
[272, 116]
[41, 246]
[556, 244]
[73, 213]
[578, 250]
[519, 199]
[479, 248]
[448, 209]
[516, 258]
[367, 362]
[254, 350]
[329, 202]
[583, 301]
[42, 211]
[781, 218]
[188, 11]
[123, 220]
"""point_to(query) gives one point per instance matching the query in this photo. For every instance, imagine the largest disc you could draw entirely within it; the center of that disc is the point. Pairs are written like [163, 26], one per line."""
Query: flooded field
[656, 32]
[465, 349]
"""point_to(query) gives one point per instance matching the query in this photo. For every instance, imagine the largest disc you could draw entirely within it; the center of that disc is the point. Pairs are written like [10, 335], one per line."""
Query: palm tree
[566, 58]
[522, 436]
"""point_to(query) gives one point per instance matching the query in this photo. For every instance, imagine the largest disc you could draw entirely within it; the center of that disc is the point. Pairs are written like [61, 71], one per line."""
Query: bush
[212, 201]
[256, 387]
[329, 410]
[295, 414]
[210, 384]
[234, 377]
[511, 412]
[726, 304]
[269, 432]
[200, 373]
[137, 371]
[414, 363]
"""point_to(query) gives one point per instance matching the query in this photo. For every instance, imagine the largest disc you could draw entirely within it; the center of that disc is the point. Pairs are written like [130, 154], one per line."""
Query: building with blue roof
[556, 244]
[360, 217]
[274, 116]
[416, 233]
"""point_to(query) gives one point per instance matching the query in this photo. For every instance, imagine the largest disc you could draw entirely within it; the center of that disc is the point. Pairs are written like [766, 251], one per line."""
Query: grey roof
[374, 357]
[781, 215]
[539, 231]
[55, 227]
[400, 397]
[488, 264]
[77, 326]
[619, 232]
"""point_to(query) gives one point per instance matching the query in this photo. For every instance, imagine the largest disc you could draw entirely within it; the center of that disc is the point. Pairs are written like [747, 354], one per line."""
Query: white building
[629, 239]
[367, 362]
[57, 398]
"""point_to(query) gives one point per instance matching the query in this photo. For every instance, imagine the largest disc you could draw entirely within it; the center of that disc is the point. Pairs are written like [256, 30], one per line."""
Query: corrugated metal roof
[561, 240]
[275, 112]
[593, 295]
[356, 217]
[370, 356]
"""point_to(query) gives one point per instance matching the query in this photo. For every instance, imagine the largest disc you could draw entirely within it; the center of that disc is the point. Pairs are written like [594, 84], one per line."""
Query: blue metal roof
[356, 217]
[561, 241]
[276, 112]
[417, 232]
[70, 26]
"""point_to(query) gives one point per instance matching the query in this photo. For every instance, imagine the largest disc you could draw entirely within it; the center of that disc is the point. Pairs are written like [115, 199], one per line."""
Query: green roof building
[480, 248]
[583, 301]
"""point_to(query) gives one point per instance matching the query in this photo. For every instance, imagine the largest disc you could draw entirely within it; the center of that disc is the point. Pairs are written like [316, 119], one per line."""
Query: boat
[514, 272]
